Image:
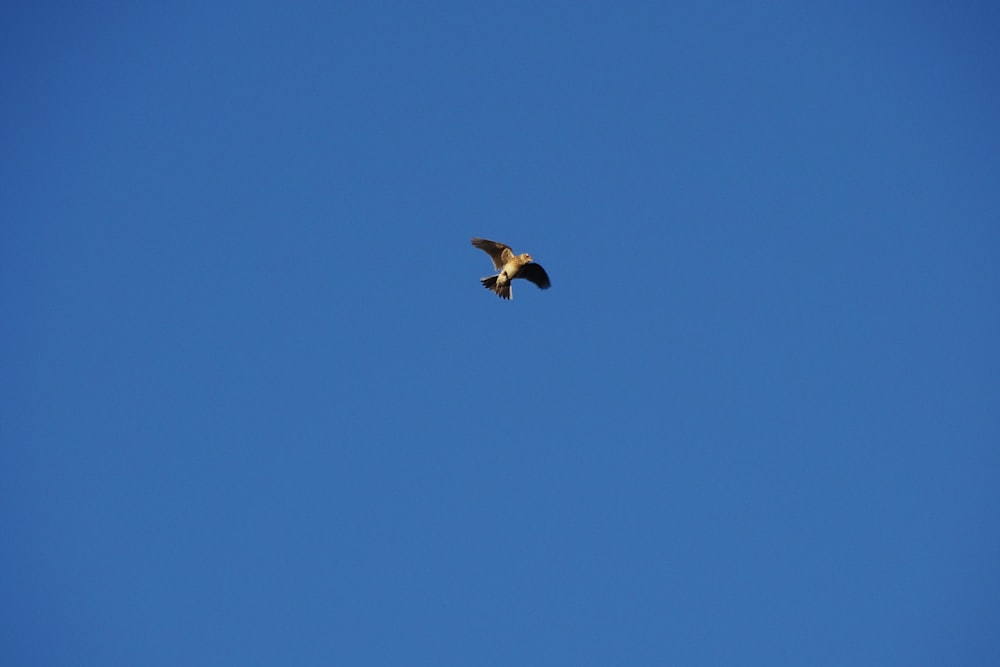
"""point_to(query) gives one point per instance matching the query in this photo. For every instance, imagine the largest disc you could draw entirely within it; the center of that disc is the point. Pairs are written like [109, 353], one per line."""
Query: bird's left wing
[536, 274]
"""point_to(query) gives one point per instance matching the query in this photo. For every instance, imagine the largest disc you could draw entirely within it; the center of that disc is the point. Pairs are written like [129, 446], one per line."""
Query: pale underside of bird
[510, 267]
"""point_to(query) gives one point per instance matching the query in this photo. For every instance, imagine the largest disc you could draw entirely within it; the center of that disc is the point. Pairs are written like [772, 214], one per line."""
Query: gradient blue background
[257, 409]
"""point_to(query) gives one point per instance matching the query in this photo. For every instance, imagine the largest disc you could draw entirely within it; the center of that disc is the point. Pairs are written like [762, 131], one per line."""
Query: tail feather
[503, 291]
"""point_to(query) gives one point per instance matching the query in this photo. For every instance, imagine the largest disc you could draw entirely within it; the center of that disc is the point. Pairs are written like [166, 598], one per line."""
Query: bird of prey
[510, 266]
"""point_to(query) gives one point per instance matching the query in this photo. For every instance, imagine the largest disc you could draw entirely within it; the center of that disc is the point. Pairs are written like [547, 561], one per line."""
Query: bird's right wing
[498, 252]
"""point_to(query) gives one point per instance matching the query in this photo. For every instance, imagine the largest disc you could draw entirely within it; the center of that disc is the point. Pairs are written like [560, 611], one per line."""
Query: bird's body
[510, 266]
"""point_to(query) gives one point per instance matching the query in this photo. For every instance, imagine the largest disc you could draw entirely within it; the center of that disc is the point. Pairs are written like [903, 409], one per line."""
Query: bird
[511, 266]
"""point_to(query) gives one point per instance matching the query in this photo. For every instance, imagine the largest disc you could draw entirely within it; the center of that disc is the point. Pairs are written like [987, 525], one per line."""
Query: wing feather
[498, 252]
[536, 274]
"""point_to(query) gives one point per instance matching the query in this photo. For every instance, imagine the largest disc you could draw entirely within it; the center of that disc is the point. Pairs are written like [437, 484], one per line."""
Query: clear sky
[256, 408]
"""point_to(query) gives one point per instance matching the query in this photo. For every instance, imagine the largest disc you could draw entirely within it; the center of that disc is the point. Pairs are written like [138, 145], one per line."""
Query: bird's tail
[502, 290]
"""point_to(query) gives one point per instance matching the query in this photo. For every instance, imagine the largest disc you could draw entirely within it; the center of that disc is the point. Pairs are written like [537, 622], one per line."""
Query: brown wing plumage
[536, 274]
[498, 252]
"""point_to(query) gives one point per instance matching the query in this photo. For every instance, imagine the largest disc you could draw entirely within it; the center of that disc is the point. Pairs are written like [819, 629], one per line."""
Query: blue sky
[258, 409]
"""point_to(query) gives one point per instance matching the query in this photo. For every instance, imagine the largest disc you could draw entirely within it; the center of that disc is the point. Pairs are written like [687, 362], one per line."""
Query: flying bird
[511, 266]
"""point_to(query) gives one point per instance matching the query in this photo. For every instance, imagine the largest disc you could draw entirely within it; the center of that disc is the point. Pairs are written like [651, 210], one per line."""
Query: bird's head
[526, 257]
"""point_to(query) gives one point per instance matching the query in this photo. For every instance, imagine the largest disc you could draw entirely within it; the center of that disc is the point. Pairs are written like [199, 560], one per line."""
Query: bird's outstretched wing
[536, 274]
[498, 252]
